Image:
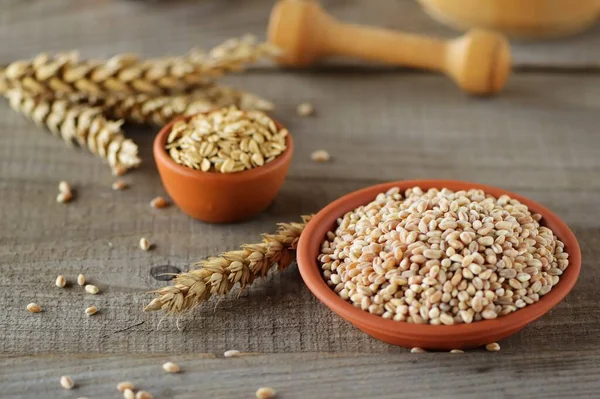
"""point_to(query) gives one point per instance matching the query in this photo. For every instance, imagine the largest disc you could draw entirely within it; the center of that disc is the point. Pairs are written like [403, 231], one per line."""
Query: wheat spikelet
[81, 124]
[218, 275]
[142, 108]
[64, 73]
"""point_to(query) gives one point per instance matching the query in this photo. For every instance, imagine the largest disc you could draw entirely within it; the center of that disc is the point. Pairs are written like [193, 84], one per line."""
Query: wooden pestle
[479, 61]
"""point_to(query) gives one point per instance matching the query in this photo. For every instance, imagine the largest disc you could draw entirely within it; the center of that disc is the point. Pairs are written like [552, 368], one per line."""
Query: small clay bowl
[440, 337]
[216, 197]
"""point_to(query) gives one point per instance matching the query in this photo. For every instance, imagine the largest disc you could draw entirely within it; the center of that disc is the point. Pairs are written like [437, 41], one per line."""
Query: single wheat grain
[171, 367]
[34, 308]
[159, 203]
[145, 244]
[305, 109]
[416, 349]
[60, 281]
[493, 347]
[66, 382]
[265, 393]
[91, 289]
[128, 394]
[119, 185]
[143, 395]
[81, 280]
[64, 187]
[91, 310]
[63, 198]
[122, 386]
[320, 156]
[232, 353]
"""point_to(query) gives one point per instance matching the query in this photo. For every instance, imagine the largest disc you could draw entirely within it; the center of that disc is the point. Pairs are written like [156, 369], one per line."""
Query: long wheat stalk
[64, 73]
[218, 275]
[145, 109]
[80, 124]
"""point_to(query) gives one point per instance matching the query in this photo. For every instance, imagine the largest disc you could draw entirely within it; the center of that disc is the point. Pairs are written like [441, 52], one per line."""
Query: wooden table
[540, 138]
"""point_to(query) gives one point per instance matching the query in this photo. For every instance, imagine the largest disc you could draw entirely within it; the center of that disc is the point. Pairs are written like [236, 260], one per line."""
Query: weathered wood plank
[539, 139]
[172, 27]
[346, 375]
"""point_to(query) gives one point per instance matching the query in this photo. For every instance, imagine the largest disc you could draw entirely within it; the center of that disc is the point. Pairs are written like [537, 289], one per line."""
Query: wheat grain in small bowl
[438, 264]
[224, 165]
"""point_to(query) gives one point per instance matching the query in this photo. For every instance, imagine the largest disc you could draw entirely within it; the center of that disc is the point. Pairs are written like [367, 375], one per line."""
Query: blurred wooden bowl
[517, 18]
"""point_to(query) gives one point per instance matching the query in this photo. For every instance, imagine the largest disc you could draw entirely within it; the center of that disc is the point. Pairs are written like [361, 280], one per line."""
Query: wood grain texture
[539, 140]
[308, 375]
[159, 27]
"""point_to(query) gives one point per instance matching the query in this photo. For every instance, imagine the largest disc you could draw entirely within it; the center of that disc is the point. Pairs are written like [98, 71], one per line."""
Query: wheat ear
[64, 73]
[81, 124]
[146, 109]
[218, 275]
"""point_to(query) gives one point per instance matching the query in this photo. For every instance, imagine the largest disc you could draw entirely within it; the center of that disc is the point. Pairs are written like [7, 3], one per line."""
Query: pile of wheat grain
[441, 257]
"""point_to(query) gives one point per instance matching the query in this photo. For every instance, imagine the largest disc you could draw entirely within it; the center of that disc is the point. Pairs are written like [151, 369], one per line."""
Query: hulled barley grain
[441, 257]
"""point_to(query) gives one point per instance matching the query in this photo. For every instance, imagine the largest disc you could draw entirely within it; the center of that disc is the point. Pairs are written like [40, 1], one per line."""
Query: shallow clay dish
[220, 197]
[441, 337]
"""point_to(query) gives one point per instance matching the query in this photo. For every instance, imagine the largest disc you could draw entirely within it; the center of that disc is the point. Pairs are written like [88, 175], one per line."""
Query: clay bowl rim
[316, 229]
[161, 155]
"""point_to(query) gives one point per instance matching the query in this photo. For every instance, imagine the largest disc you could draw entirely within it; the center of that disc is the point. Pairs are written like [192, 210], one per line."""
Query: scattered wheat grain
[64, 187]
[91, 310]
[159, 203]
[416, 349]
[457, 351]
[171, 367]
[91, 289]
[320, 156]
[143, 395]
[66, 382]
[305, 109]
[232, 353]
[493, 347]
[119, 185]
[63, 198]
[122, 386]
[34, 308]
[145, 244]
[81, 280]
[128, 394]
[60, 281]
[265, 393]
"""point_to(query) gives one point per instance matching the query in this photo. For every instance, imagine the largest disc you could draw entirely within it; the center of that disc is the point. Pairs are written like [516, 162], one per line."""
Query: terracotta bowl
[439, 337]
[220, 197]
